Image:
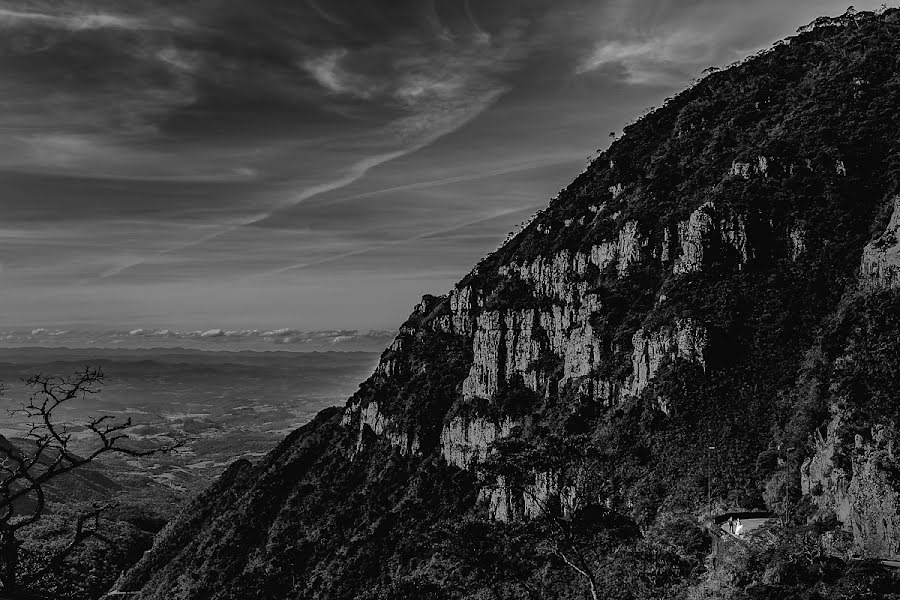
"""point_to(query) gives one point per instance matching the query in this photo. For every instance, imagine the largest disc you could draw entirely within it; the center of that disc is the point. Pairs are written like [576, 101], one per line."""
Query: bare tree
[25, 472]
[588, 542]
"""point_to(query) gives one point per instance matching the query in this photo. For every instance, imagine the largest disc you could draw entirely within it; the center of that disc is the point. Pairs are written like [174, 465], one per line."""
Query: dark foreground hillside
[222, 405]
[706, 320]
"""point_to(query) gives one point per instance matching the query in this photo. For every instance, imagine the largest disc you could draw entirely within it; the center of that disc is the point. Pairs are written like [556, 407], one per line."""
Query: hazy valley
[224, 405]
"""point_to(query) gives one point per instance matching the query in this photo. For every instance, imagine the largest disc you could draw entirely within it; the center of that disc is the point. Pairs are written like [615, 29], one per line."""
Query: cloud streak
[72, 22]
[658, 60]
[665, 44]
[429, 127]
[327, 71]
[400, 242]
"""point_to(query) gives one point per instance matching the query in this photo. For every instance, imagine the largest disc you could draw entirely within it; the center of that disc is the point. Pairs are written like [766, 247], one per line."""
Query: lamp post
[787, 482]
[709, 478]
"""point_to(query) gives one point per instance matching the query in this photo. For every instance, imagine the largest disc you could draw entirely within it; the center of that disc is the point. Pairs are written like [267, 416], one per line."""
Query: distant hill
[34, 354]
[283, 339]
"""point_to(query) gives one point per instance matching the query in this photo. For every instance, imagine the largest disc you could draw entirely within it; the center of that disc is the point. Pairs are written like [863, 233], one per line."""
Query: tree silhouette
[24, 472]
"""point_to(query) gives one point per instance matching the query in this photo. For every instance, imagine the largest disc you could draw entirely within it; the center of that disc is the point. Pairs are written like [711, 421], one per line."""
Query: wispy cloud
[663, 59]
[664, 43]
[328, 16]
[326, 69]
[355, 172]
[113, 158]
[84, 87]
[73, 21]
[419, 236]
[418, 131]
[73, 17]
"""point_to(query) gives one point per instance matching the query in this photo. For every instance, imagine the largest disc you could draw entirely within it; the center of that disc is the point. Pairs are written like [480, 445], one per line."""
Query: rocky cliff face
[550, 492]
[710, 280]
[465, 442]
[853, 472]
[880, 268]
[856, 479]
[554, 345]
[708, 227]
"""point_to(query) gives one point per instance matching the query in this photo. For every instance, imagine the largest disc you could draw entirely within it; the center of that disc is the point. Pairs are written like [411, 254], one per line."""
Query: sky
[315, 164]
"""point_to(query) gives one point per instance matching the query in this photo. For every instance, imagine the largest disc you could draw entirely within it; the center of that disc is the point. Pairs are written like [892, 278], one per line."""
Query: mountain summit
[705, 322]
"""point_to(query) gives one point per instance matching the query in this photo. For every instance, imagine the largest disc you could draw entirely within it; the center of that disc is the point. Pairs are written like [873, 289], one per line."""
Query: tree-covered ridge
[818, 109]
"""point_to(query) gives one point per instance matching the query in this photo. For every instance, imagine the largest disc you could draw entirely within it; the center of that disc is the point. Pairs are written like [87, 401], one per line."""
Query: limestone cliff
[550, 346]
[705, 228]
[853, 471]
[880, 267]
[856, 479]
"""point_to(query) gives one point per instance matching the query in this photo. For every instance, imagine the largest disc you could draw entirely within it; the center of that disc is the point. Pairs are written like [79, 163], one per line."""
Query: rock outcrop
[880, 265]
[370, 418]
[856, 480]
[797, 237]
[826, 483]
[549, 492]
[875, 501]
[746, 170]
[467, 441]
[686, 339]
[488, 346]
[709, 228]
[693, 236]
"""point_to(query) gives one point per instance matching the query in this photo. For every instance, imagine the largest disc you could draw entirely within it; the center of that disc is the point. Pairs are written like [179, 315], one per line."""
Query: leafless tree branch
[24, 472]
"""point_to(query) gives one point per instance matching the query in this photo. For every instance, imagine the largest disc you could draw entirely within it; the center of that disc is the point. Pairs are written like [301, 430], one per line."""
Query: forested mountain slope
[725, 275]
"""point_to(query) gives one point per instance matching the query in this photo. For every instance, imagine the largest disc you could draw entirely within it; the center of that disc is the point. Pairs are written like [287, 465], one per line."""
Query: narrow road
[749, 525]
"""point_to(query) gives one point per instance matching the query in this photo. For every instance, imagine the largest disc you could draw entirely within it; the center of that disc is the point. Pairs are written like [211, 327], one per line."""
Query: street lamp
[709, 478]
[787, 475]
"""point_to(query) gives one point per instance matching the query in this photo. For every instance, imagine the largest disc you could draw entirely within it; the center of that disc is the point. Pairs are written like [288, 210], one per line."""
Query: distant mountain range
[229, 403]
[294, 340]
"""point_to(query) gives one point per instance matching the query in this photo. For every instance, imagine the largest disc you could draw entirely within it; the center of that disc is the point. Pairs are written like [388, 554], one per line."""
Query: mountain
[706, 320]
